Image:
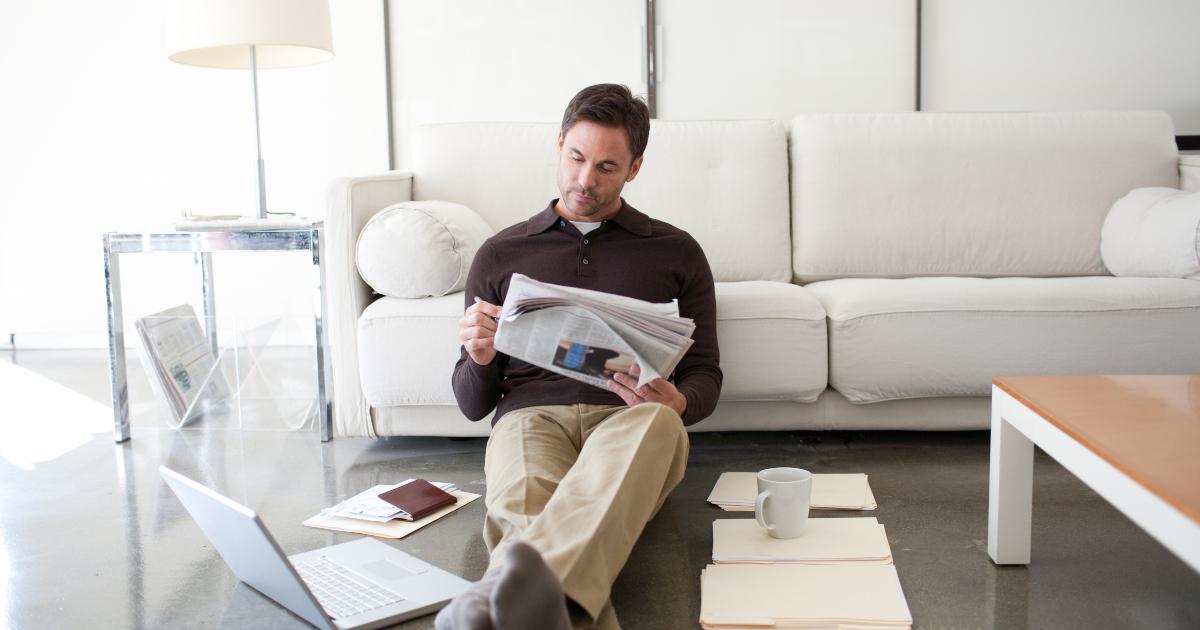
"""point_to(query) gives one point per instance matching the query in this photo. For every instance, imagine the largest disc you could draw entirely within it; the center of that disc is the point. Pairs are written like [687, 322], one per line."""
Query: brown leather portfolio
[418, 498]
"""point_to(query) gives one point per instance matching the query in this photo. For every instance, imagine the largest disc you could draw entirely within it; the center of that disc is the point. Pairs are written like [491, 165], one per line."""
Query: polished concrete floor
[91, 538]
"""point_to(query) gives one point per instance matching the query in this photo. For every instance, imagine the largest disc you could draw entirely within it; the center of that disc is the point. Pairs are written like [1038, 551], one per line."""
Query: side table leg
[116, 345]
[204, 259]
[324, 379]
[1010, 481]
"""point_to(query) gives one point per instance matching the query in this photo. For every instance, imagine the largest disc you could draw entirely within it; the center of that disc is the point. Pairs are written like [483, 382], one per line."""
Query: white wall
[777, 58]
[100, 132]
[481, 60]
[983, 55]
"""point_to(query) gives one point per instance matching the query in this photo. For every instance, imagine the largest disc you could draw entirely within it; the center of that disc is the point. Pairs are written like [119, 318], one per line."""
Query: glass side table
[204, 245]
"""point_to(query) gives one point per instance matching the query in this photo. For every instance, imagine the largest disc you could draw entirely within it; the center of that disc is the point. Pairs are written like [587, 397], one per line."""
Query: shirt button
[585, 241]
[585, 261]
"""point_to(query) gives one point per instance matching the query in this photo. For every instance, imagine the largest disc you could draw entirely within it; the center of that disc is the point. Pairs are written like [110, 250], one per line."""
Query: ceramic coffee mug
[783, 499]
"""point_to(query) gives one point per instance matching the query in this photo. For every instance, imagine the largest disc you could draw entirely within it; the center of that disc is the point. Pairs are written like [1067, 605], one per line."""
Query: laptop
[359, 584]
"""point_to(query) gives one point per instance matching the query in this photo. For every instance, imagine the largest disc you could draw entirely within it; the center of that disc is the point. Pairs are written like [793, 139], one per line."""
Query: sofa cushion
[772, 340]
[1153, 232]
[419, 248]
[771, 335]
[941, 194]
[724, 182]
[919, 337]
[407, 350]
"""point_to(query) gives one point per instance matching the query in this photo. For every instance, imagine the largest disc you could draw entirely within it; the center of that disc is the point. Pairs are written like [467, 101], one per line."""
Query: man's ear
[561, 138]
[633, 170]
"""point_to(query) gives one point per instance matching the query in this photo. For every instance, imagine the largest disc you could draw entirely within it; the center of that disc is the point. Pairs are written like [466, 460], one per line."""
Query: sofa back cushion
[724, 182]
[942, 194]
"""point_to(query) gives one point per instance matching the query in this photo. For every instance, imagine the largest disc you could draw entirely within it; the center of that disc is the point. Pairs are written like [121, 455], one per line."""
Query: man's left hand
[658, 390]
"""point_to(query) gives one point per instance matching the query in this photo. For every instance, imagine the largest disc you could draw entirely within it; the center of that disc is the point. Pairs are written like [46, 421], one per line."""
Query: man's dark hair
[611, 105]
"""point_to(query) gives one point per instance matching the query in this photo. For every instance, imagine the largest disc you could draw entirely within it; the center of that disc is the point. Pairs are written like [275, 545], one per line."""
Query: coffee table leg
[324, 376]
[1010, 495]
[116, 345]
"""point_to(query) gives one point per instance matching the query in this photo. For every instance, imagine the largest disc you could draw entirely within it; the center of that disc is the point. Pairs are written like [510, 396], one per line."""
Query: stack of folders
[837, 574]
[825, 541]
[841, 596]
[736, 491]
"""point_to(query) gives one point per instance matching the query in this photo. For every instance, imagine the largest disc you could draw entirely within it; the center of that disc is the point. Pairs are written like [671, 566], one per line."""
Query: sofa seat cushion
[407, 350]
[771, 335]
[773, 341]
[921, 337]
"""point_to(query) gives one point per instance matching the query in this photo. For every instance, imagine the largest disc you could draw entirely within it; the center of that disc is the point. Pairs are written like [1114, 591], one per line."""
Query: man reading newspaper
[575, 471]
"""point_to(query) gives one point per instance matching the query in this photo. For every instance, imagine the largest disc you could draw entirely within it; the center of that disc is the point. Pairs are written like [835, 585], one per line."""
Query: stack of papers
[367, 505]
[862, 596]
[824, 541]
[360, 515]
[736, 491]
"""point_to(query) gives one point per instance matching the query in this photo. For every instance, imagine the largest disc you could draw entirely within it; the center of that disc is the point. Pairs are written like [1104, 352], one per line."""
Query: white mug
[784, 495]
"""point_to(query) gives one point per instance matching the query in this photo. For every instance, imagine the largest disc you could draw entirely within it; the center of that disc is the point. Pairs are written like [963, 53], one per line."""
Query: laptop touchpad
[386, 570]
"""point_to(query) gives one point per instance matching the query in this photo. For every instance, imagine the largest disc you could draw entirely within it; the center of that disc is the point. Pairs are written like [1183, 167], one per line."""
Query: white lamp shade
[219, 33]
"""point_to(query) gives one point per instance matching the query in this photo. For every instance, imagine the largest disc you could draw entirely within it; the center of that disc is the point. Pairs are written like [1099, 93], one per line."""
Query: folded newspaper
[590, 335]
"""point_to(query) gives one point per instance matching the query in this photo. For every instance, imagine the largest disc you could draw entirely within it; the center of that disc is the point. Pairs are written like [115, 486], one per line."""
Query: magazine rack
[248, 381]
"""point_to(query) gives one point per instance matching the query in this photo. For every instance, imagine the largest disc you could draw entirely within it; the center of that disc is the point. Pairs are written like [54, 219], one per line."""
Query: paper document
[802, 596]
[824, 541]
[590, 335]
[736, 492]
[367, 505]
[391, 529]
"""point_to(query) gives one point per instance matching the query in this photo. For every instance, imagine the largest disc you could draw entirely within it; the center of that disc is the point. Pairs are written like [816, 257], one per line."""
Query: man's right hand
[477, 331]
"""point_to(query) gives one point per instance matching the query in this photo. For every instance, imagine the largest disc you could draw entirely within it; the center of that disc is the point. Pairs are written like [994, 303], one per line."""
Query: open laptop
[359, 584]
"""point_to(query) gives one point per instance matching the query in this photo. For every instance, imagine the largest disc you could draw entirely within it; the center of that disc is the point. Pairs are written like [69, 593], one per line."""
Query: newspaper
[182, 362]
[591, 335]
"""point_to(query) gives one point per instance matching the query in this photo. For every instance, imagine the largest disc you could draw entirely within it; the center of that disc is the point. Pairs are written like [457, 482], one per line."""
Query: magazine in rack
[590, 335]
[180, 363]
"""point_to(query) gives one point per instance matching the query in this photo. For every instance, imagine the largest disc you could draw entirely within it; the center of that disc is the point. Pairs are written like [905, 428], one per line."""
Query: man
[574, 471]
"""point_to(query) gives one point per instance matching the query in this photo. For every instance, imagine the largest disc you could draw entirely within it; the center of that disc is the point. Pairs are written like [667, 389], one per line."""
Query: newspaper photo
[591, 335]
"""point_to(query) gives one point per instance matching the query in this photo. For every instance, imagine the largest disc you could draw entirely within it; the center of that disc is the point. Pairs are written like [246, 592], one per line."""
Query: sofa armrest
[1189, 172]
[350, 203]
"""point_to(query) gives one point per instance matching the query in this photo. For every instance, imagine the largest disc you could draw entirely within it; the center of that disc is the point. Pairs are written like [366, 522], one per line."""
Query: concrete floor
[92, 537]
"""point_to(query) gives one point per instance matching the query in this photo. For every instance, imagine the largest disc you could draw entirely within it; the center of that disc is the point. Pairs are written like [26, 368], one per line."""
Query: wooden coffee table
[1135, 440]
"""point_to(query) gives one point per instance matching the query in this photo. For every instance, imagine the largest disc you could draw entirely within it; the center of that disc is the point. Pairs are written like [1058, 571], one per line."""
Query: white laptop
[359, 584]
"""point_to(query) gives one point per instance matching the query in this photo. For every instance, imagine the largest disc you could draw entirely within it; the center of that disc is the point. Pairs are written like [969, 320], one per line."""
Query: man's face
[594, 163]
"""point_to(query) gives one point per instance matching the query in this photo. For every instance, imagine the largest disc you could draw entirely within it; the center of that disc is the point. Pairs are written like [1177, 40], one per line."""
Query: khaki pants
[579, 483]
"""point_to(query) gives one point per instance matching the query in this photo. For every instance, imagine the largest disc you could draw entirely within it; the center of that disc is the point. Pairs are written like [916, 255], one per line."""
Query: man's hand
[477, 331]
[658, 391]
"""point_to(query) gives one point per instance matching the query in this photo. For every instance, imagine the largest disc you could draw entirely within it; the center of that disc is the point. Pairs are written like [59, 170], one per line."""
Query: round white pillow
[1153, 232]
[420, 248]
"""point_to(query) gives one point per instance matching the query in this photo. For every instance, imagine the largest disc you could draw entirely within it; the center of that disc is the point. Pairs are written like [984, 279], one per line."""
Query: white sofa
[874, 271]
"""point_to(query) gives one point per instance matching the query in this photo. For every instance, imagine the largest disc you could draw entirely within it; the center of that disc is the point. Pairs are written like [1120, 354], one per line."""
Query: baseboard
[55, 341]
[84, 341]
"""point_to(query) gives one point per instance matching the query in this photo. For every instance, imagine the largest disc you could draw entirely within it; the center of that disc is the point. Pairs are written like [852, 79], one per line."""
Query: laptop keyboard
[341, 592]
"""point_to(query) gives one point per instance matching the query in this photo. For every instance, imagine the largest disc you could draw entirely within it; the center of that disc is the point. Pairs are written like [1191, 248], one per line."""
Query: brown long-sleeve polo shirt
[632, 255]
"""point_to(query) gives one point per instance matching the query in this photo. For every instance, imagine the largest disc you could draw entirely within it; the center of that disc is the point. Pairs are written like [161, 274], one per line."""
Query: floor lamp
[250, 34]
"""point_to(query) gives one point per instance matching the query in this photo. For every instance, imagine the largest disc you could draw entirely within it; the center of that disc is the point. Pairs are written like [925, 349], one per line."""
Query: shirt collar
[627, 217]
